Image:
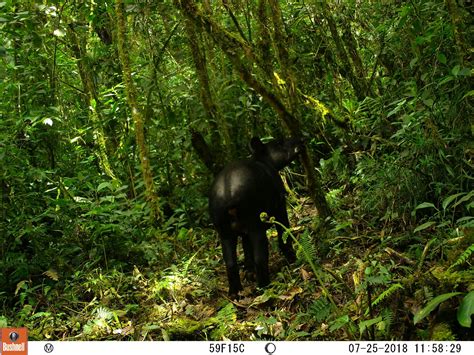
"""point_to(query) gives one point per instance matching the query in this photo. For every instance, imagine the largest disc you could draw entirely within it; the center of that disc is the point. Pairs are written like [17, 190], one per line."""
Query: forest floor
[360, 283]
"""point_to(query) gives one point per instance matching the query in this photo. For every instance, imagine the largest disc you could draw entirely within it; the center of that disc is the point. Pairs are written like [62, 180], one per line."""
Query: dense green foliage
[382, 93]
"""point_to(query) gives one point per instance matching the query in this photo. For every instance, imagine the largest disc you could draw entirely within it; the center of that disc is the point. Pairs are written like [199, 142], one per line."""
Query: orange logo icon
[14, 341]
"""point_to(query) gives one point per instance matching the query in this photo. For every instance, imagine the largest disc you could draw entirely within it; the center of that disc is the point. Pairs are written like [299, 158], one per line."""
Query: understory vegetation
[115, 116]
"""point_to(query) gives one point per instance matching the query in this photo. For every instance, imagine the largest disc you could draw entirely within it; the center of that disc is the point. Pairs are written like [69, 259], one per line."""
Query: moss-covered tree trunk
[263, 38]
[136, 111]
[92, 100]
[458, 35]
[346, 68]
[292, 98]
[220, 135]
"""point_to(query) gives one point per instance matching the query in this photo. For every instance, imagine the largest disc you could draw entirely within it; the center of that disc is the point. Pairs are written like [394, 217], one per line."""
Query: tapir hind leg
[259, 242]
[229, 249]
[249, 258]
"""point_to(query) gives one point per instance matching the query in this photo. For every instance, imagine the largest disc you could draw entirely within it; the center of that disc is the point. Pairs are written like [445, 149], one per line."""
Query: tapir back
[243, 190]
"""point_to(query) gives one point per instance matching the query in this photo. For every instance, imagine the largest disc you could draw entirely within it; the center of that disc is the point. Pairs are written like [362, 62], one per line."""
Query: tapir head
[277, 153]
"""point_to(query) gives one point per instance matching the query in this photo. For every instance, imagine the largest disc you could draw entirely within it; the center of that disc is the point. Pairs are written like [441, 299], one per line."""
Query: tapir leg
[229, 249]
[259, 242]
[249, 258]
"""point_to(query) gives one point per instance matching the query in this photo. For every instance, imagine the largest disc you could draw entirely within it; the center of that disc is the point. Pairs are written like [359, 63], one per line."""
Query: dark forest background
[114, 117]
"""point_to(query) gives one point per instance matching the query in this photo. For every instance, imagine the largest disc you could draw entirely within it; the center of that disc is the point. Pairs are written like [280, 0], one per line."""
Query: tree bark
[341, 52]
[263, 41]
[92, 101]
[458, 35]
[351, 45]
[220, 131]
[136, 111]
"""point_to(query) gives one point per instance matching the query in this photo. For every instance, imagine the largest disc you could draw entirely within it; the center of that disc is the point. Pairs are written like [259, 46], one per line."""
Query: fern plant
[387, 293]
[463, 257]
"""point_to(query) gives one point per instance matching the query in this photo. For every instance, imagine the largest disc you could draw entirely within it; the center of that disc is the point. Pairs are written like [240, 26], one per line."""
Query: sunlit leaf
[59, 33]
[466, 310]
[48, 121]
[104, 185]
[425, 205]
[450, 199]
[424, 226]
[425, 311]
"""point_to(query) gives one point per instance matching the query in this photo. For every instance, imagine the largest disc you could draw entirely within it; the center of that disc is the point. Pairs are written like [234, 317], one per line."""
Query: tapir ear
[256, 146]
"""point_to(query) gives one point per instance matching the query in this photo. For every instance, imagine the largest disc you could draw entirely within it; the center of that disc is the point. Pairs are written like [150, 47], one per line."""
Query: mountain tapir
[239, 193]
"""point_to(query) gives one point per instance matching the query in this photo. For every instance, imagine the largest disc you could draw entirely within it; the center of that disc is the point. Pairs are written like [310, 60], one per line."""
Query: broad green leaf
[424, 226]
[447, 79]
[469, 93]
[428, 102]
[455, 71]
[104, 185]
[425, 205]
[464, 219]
[465, 72]
[422, 313]
[464, 199]
[466, 310]
[450, 199]
[367, 323]
[442, 58]
[465, 222]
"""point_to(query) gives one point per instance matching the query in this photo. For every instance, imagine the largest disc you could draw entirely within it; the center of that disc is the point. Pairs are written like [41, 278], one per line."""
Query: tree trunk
[346, 68]
[220, 130]
[136, 111]
[92, 101]
[263, 39]
[458, 35]
[351, 46]
[281, 44]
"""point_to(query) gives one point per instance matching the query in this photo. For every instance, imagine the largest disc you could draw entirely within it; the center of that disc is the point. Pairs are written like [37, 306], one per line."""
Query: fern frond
[308, 247]
[463, 257]
[369, 105]
[385, 294]
[320, 309]
[52, 274]
[387, 316]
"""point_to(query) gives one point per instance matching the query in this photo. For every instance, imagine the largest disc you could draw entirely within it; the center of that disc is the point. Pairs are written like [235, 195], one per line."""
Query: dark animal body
[240, 193]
